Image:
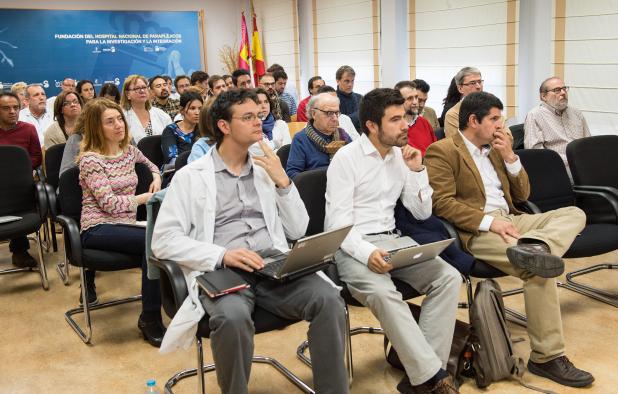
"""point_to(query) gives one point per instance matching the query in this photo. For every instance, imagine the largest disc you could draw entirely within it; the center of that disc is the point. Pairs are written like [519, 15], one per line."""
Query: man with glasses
[468, 80]
[161, 96]
[553, 124]
[279, 108]
[219, 212]
[316, 144]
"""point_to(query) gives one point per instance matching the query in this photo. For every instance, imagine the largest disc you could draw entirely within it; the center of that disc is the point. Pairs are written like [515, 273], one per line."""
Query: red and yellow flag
[259, 68]
[245, 51]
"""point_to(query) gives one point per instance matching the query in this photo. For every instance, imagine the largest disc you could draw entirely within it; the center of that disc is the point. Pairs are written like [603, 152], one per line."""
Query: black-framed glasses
[330, 114]
[69, 103]
[474, 83]
[139, 89]
[558, 89]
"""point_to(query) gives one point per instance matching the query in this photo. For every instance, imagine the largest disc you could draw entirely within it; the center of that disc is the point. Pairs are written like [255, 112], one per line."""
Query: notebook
[404, 251]
[221, 282]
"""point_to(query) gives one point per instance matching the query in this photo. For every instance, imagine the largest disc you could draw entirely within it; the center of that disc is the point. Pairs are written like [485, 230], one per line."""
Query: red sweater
[24, 135]
[420, 134]
[301, 112]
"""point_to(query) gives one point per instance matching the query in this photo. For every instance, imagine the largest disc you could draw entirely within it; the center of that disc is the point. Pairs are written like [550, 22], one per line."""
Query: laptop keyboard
[274, 267]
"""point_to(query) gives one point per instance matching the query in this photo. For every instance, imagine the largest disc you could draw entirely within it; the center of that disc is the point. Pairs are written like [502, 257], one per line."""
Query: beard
[558, 104]
[400, 140]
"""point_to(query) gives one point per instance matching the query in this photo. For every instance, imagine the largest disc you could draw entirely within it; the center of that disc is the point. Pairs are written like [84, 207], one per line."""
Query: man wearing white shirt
[36, 113]
[365, 180]
[477, 180]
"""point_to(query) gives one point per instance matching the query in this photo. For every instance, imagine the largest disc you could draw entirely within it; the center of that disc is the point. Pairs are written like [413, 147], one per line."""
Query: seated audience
[316, 144]
[365, 180]
[110, 91]
[553, 124]
[85, 88]
[161, 96]
[108, 181]
[344, 120]
[229, 230]
[420, 132]
[36, 112]
[242, 79]
[279, 107]
[217, 85]
[206, 140]
[181, 83]
[19, 88]
[143, 119]
[180, 136]
[200, 78]
[314, 84]
[67, 109]
[170, 87]
[15, 132]
[229, 82]
[281, 79]
[426, 112]
[275, 131]
[349, 100]
[68, 85]
[477, 168]
[452, 97]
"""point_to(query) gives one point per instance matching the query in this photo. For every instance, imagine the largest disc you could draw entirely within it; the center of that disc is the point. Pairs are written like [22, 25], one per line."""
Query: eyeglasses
[558, 89]
[69, 103]
[138, 89]
[268, 84]
[330, 114]
[474, 83]
[247, 118]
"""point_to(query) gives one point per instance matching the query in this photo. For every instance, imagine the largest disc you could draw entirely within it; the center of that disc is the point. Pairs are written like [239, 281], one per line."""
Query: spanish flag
[245, 51]
[259, 68]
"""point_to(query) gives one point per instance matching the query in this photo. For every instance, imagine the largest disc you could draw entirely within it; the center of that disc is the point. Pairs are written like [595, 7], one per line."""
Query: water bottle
[151, 387]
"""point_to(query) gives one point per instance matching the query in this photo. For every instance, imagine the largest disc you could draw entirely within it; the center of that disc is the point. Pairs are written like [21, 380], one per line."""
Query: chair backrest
[151, 148]
[181, 160]
[550, 186]
[592, 160]
[284, 153]
[439, 132]
[518, 135]
[53, 159]
[311, 186]
[17, 192]
[295, 127]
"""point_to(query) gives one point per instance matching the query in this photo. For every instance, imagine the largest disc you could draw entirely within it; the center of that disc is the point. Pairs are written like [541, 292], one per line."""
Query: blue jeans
[129, 240]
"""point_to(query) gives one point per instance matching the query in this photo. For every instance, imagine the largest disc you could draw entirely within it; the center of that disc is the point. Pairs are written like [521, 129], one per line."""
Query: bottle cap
[151, 383]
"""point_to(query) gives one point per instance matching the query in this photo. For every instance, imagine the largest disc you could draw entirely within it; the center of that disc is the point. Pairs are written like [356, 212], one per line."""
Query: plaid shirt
[289, 100]
[171, 107]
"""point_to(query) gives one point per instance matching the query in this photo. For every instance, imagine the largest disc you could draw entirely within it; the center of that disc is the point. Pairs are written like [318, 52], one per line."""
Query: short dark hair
[178, 78]
[213, 79]
[279, 74]
[198, 77]
[311, 81]
[373, 105]
[221, 108]
[342, 70]
[10, 94]
[422, 85]
[478, 104]
[59, 104]
[188, 97]
[238, 73]
[404, 84]
[110, 89]
[326, 89]
[151, 80]
[274, 67]
[226, 76]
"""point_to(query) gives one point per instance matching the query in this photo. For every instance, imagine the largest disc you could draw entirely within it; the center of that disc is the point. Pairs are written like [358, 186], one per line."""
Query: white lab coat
[185, 226]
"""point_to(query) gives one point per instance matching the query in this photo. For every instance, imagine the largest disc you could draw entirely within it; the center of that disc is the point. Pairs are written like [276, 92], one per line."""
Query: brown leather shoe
[445, 386]
[536, 258]
[562, 371]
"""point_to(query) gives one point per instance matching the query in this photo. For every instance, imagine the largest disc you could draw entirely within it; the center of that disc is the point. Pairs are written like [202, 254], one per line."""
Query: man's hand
[271, 163]
[376, 262]
[504, 229]
[503, 144]
[244, 259]
[155, 185]
[412, 157]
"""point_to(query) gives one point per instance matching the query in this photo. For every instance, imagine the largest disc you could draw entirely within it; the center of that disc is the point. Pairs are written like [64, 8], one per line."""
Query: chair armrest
[451, 231]
[72, 239]
[607, 196]
[528, 207]
[52, 201]
[41, 200]
[40, 174]
[607, 189]
[174, 274]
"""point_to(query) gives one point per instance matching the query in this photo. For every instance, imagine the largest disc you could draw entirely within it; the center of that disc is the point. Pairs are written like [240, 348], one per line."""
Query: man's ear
[372, 127]
[473, 120]
[224, 126]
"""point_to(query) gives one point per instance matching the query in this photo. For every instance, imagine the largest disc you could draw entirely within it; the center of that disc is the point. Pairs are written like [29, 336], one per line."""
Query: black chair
[21, 196]
[552, 189]
[518, 135]
[70, 198]
[311, 186]
[150, 146]
[284, 153]
[173, 293]
[439, 132]
[181, 160]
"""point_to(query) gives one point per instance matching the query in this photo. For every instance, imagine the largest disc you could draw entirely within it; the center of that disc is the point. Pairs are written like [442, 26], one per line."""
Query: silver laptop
[308, 255]
[404, 251]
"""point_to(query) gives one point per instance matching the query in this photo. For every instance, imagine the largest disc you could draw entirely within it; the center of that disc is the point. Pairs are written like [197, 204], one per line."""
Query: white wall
[221, 19]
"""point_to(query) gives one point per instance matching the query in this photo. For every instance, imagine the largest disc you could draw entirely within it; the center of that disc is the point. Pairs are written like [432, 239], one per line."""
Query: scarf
[330, 148]
[267, 126]
[275, 106]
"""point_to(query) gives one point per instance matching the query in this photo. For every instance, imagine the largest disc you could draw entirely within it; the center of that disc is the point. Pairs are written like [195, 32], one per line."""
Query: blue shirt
[305, 155]
[199, 149]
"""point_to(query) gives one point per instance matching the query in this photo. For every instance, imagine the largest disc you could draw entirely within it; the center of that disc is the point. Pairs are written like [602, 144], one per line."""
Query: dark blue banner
[43, 46]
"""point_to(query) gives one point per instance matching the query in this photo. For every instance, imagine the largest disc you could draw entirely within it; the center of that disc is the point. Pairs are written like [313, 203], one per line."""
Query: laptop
[404, 251]
[308, 255]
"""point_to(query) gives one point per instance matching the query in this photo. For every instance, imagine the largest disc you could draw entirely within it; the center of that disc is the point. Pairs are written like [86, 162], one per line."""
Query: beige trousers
[558, 229]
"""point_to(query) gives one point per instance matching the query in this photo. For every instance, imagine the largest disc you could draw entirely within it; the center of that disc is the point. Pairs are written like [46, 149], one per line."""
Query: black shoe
[536, 259]
[443, 386]
[23, 260]
[404, 386]
[91, 289]
[153, 331]
[562, 371]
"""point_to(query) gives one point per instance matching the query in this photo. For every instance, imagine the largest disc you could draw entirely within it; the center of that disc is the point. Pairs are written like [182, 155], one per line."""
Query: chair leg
[590, 291]
[42, 269]
[52, 229]
[63, 269]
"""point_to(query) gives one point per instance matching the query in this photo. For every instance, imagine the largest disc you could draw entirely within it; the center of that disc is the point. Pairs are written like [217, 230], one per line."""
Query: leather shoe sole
[585, 381]
[545, 265]
[152, 332]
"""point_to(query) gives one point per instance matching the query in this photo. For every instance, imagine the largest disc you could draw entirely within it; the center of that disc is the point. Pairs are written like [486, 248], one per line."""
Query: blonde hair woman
[143, 119]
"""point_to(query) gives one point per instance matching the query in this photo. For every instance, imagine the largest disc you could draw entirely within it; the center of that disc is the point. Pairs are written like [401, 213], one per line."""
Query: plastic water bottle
[151, 387]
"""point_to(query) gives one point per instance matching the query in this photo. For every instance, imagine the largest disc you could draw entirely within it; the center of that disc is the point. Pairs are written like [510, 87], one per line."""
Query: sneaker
[444, 386]
[536, 258]
[561, 370]
[23, 260]
[91, 290]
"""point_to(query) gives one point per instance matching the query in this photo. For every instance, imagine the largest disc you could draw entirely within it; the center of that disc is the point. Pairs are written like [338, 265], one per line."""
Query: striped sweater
[108, 186]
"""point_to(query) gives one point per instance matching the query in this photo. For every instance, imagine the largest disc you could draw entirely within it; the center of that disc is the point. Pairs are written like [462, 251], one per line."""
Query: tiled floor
[39, 353]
